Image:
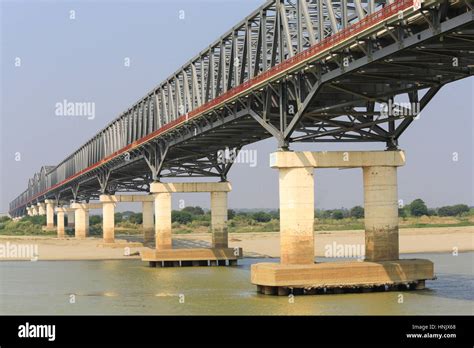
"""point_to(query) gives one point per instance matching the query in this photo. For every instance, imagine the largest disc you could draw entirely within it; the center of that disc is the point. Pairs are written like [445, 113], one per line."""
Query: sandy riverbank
[262, 244]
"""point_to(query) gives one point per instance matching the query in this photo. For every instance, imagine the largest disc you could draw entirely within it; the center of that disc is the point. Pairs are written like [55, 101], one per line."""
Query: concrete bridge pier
[29, 211]
[148, 221]
[297, 271]
[163, 221]
[41, 208]
[381, 213]
[220, 237]
[81, 217]
[108, 217]
[50, 205]
[296, 215]
[70, 217]
[34, 210]
[108, 204]
[164, 254]
[60, 212]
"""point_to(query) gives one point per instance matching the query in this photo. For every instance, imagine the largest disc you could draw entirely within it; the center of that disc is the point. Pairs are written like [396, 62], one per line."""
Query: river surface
[131, 287]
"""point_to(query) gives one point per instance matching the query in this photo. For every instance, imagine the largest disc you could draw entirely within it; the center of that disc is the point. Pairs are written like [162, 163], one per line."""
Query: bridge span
[295, 70]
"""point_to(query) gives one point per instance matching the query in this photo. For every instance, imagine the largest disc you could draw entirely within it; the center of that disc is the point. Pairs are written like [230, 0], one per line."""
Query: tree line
[190, 214]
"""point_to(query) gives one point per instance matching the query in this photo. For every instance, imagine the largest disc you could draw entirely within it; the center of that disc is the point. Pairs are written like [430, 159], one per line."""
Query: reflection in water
[130, 287]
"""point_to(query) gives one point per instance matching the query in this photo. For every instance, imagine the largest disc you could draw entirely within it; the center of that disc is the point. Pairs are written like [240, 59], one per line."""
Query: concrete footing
[192, 257]
[341, 277]
[119, 244]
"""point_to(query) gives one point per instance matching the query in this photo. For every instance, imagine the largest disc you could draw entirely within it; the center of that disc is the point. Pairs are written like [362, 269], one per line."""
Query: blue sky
[83, 60]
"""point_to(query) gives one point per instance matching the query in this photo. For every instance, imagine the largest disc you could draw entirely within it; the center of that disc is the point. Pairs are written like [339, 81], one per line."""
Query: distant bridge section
[295, 70]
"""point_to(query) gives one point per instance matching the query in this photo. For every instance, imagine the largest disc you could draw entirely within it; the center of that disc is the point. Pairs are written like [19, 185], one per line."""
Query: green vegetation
[453, 210]
[418, 208]
[29, 225]
[357, 212]
[195, 219]
[183, 217]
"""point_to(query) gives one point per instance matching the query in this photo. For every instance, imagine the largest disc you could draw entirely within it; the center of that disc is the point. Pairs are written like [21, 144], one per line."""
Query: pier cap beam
[336, 159]
[86, 206]
[126, 198]
[196, 187]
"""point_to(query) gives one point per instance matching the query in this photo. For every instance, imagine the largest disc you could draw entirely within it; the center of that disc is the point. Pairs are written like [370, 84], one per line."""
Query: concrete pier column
[50, 205]
[219, 219]
[70, 217]
[381, 213]
[29, 211]
[148, 223]
[296, 215]
[60, 211]
[108, 217]
[81, 217]
[41, 209]
[163, 220]
[34, 210]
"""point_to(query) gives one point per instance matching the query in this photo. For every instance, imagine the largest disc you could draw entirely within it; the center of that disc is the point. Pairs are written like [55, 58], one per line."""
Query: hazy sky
[82, 60]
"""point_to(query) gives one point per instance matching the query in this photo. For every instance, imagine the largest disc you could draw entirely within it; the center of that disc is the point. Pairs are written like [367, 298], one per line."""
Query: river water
[131, 287]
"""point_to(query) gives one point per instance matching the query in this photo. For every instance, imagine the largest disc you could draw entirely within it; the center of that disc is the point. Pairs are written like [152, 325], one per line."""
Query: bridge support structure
[41, 208]
[50, 206]
[109, 203]
[164, 255]
[60, 213]
[70, 217]
[148, 223]
[34, 210]
[108, 218]
[297, 271]
[81, 217]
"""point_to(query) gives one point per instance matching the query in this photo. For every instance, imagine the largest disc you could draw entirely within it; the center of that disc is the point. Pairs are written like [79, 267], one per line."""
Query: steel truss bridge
[295, 70]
